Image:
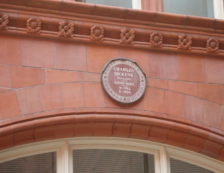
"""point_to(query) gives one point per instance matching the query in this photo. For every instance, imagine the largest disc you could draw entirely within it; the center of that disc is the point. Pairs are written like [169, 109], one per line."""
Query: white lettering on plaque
[123, 80]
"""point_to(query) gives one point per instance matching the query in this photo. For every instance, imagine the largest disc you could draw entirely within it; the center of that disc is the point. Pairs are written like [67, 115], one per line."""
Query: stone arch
[108, 124]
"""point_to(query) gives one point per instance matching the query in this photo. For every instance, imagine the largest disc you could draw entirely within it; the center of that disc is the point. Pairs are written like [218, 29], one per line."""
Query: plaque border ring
[123, 99]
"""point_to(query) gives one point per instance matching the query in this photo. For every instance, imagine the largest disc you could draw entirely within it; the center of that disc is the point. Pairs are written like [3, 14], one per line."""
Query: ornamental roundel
[123, 80]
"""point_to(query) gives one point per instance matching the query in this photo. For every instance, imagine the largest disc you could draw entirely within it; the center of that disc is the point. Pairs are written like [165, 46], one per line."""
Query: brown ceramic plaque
[123, 80]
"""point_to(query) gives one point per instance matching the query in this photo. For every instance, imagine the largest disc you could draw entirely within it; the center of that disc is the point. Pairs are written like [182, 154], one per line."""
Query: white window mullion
[218, 9]
[157, 162]
[164, 161]
[136, 4]
[64, 159]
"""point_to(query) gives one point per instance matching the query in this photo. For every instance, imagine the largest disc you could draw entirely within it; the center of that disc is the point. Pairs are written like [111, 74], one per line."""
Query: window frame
[136, 4]
[65, 147]
[218, 7]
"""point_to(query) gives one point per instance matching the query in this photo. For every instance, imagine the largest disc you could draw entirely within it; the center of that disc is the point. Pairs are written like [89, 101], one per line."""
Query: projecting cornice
[75, 21]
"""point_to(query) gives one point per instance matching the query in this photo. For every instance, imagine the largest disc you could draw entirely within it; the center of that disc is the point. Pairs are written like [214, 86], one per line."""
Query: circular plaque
[123, 80]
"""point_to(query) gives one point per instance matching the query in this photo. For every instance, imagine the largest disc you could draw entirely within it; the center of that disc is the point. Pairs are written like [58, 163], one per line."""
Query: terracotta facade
[51, 59]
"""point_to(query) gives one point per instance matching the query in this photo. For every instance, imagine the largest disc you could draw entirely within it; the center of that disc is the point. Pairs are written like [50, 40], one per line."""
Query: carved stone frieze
[127, 35]
[212, 45]
[4, 20]
[184, 42]
[132, 35]
[97, 32]
[156, 39]
[66, 29]
[33, 25]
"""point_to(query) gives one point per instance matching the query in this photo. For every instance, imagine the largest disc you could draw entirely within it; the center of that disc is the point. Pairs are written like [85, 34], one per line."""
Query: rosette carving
[33, 25]
[212, 45]
[66, 29]
[97, 32]
[4, 20]
[156, 39]
[184, 42]
[127, 35]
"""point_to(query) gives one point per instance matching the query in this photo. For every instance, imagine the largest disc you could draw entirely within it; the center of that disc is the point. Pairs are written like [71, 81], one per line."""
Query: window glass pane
[41, 163]
[112, 161]
[178, 166]
[117, 3]
[190, 7]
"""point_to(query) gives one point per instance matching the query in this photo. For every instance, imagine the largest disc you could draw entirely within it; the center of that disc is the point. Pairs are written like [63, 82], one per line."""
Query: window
[204, 8]
[44, 163]
[117, 3]
[178, 166]
[113, 161]
[100, 155]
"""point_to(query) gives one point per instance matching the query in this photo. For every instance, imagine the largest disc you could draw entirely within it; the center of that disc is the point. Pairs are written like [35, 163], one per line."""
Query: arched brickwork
[116, 124]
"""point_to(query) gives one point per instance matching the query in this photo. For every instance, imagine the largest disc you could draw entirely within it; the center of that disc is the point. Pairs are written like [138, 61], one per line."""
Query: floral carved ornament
[33, 25]
[4, 20]
[66, 29]
[127, 35]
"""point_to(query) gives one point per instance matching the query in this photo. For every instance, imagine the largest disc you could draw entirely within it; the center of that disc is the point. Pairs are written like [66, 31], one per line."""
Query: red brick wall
[48, 86]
